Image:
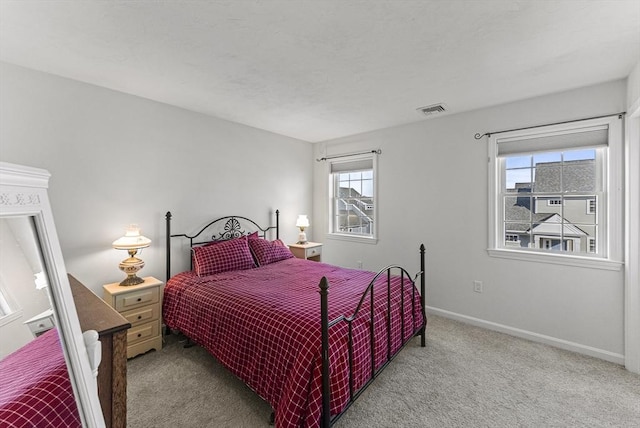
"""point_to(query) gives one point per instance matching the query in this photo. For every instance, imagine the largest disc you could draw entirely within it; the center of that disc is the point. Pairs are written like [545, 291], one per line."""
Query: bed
[36, 390]
[298, 332]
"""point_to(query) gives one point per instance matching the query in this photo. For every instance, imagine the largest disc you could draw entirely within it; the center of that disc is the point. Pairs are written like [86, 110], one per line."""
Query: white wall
[632, 250]
[633, 85]
[433, 190]
[117, 159]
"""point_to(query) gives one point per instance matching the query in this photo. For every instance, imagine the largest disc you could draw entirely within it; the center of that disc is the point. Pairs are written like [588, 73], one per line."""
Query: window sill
[352, 238]
[558, 259]
[11, 317]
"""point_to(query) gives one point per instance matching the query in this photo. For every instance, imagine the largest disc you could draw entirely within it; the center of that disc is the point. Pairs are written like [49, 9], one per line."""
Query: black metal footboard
[326, 419]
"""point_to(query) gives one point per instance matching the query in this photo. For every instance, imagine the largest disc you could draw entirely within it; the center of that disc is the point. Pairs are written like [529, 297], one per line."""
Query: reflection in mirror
[31, 355]
[25, 305]
[46, 376]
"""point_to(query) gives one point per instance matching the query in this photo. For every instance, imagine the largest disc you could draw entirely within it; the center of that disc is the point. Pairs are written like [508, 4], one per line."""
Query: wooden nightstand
[308, 251]
[141, 305]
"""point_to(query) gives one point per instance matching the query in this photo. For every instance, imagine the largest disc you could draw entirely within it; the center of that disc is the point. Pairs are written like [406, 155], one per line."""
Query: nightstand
[308, 251]
[141, 305]
[40, 323]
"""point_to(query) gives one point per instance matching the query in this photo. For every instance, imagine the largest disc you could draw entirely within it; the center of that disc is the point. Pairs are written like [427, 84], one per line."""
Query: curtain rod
[379, 152]
[488, 134]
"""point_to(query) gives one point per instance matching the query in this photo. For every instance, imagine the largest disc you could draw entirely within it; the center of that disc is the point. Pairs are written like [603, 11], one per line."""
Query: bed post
[325, 421]
[168, 255]
[277, 224]
[423, 333]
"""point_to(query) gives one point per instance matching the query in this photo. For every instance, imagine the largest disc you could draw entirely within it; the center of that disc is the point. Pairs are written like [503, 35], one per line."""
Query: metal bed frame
[232, 227]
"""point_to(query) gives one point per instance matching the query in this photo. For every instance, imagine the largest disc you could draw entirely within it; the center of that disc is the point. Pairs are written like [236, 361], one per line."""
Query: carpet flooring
[465, 377]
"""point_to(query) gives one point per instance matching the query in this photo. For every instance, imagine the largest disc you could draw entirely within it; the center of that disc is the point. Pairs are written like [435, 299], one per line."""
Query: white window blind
[352, 165]
[582, 138]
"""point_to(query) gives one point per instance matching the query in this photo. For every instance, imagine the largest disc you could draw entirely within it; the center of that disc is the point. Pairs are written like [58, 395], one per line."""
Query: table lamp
[302, 223]
[132, 241]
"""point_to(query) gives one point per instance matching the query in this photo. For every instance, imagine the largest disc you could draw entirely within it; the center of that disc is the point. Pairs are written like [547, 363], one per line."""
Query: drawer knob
[139, 317]
[40, 325]
[139, 334]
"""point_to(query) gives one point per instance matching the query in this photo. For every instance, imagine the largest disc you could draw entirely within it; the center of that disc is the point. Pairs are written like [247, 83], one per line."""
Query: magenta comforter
[35, 390]
[263, 324]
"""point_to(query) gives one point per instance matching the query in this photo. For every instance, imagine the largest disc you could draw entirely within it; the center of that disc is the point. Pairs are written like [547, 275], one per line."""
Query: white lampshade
[302, 221]
[132, 241]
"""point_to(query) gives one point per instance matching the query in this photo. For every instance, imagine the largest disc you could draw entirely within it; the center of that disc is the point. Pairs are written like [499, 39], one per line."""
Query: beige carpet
[465, 377]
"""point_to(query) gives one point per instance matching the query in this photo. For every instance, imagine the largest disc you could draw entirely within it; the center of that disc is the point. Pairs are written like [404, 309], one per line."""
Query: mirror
[35, 295]
[25, 306]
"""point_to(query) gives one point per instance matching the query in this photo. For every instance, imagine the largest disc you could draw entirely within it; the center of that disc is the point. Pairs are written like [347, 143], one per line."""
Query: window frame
[13, 309]
[610, 220]
[346, 236]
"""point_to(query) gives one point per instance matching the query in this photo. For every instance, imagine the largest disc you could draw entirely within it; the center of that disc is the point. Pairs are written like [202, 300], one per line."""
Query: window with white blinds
[541, 180]
[353, 197]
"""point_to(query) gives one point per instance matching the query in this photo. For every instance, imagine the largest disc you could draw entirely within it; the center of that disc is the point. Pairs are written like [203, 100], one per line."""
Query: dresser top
[93, 312]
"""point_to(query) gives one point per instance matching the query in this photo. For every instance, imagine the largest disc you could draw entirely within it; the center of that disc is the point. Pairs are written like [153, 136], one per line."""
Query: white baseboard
[535, 337]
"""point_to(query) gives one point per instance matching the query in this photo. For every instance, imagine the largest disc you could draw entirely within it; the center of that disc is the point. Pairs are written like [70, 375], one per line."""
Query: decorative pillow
[267, 252]
[223, 256]
[282, 244]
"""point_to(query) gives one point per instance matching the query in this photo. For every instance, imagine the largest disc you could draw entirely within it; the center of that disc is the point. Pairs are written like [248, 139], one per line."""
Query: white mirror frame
[23, 192]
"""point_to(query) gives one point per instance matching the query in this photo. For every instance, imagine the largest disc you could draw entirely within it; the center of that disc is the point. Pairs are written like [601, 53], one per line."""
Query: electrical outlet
[359, 262]
[477, 286]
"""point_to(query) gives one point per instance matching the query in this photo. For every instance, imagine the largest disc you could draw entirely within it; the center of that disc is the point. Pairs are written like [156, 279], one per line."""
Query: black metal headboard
[220, 229]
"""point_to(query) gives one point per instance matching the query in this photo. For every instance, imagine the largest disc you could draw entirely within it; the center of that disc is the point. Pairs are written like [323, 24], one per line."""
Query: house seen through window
[544, 198]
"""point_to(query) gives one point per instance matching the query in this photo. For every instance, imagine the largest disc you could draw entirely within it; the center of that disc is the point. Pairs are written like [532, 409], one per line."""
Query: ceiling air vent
[431, 110]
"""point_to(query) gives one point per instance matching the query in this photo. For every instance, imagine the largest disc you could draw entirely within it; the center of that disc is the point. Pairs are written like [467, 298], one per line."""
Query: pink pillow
[223, 256]
[267, 252]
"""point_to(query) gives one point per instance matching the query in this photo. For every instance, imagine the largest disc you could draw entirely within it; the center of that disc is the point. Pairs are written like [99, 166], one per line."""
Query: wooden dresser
[95, 314]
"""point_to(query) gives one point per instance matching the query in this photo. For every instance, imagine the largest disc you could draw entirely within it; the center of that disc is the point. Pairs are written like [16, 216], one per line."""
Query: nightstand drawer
[313, 252]
[143, 332]
[125, 302]
[142, 315]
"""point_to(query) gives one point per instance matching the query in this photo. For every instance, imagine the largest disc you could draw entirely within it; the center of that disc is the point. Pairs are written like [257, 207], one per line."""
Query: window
[353, 198]
[5, 309]
[541, 181]
[9, 309]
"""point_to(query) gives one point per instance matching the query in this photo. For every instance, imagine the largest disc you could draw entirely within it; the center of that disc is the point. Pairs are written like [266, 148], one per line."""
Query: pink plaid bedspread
[263, 324]
[35, 390]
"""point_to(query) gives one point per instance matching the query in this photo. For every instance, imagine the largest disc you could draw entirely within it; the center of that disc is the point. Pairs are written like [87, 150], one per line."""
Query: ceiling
[317, 70]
